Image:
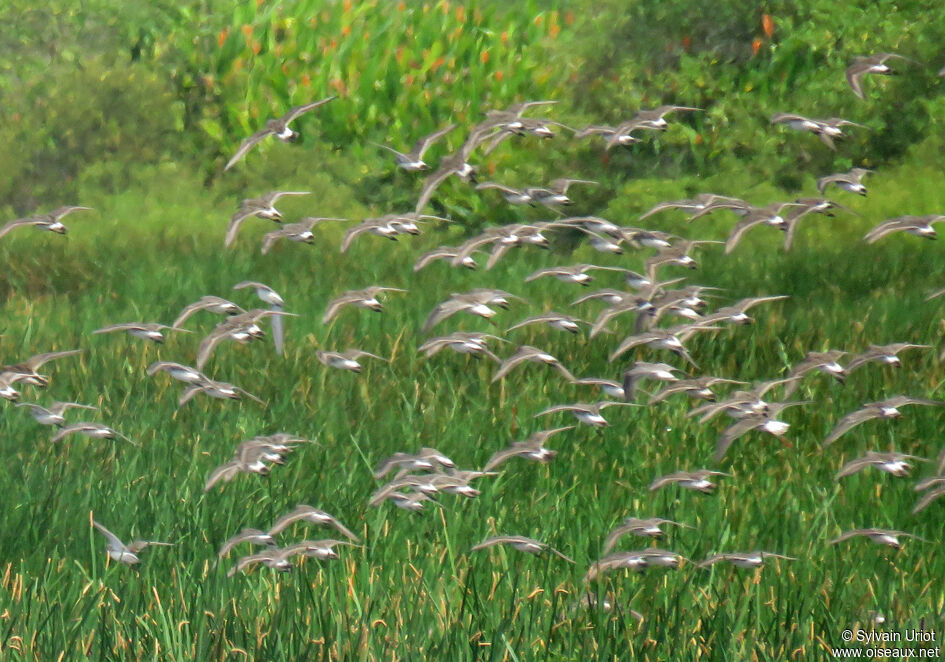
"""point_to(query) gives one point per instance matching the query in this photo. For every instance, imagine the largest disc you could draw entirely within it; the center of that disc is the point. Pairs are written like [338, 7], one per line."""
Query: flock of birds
[415, 479]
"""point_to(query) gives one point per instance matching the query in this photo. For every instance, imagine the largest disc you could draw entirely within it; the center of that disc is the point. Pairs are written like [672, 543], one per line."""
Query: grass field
[414, 590]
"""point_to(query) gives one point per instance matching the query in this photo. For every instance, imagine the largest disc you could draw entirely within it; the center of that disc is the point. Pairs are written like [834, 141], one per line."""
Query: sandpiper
[587, 413]
[366, 298]
[447, 253]
[743, 559]
[263, 207]
[218, 390]
[533, 354]
[119, 551]
[251, 536]
[455, 164]
[885, 354]
[654, 119]
[304, 513]
[210, 303]
[474, 302]
[346, 360]
[522, 544]
[513, 196]
[825, 362]
[554, 320]
[91, 430]
[638, 561]
[610, 387]
[147, 330]
[242, 328]
[531, 449]
[464, 343]
[300, 232]
[277, 127]
[620, 135]
[556, 192]
[178, 371]
[26, 371]
[826, 130]
[920, 226]
[649, 528]
[693, 205]
[737, 313]
[769, 215]
[878, 536]
[852, 181]
[412, 161]
[642, 370]
[869, 64]
[691, 480]
[671, 338]
[892, 463]
[699, 388]
[888, 408]
[426, 459]
[766, 422]
[52, 414]
[576, 273]
[51, 221]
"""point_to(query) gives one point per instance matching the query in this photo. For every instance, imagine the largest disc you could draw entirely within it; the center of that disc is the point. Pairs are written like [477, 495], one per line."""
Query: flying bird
[277, 127]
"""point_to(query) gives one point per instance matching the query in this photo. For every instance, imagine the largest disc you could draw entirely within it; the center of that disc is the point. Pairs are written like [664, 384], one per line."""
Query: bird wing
[733, 432]
[304, 108]
[500, 457]
[853, 467]
[114, 543]
[433, 181]
[442, 311]
[849, 421]
[246, 145]
[422, 145]
[37, 361]
[854, 75]
[20, 222]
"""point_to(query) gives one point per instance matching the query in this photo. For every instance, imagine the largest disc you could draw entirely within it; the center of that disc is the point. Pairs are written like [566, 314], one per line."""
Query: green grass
[415, 590]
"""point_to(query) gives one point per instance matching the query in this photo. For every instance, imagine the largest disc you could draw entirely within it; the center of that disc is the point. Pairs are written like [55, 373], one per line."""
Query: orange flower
[247, 30]
[346, 30]
[347, 6]
[460, 14]
[224, 33]
[686, 43]
[499, 75]
[439, 63]
[756, 45]
[484, 56]
[554, 30]
[698, 138]
[569, 18]
[256, 47]
[767, 24]
[401, 6]
[306, 80]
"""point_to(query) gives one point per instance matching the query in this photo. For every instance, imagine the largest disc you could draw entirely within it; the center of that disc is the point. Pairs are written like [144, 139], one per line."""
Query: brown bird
[869, 64]
[691, 480]
[883, 409]
[531, 449]
[277, 127]
[522, 544]
[51, 221]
